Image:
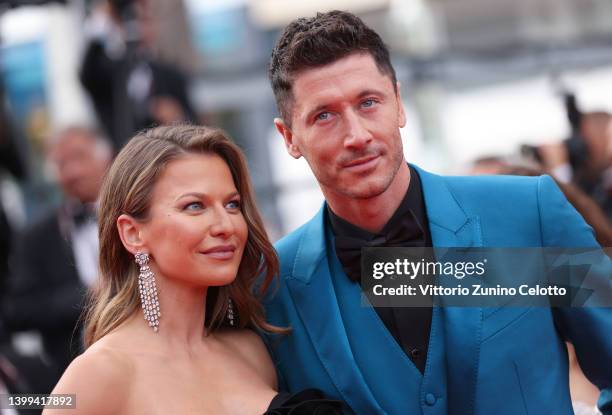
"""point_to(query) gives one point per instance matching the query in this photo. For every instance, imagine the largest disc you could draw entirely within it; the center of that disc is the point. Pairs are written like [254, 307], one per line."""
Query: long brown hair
[127, 190]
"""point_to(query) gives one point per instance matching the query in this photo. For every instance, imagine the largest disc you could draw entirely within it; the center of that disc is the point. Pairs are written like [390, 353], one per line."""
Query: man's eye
[194, 206]
[324, 116]
[368, 103]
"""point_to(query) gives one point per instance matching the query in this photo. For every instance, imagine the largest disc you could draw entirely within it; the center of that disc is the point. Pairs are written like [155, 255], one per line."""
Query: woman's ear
[130, 232]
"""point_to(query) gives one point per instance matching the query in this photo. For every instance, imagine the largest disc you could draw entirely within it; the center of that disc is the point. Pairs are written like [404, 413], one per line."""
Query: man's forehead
[71, 144]
[349, 75]
[74, 137]
[358, 60]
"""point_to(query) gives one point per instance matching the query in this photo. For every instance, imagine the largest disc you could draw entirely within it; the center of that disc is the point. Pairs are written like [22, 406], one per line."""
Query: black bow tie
[406, 233]
[82, 214]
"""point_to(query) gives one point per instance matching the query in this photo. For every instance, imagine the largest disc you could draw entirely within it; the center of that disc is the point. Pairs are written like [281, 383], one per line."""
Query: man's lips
[361, 162]
[220, 252]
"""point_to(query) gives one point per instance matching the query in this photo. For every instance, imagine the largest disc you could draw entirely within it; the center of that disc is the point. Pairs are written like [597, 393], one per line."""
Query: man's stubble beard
[374, 189]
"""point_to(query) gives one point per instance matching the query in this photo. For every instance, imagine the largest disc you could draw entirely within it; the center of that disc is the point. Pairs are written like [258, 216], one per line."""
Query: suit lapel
[315, 300]
[451, 227]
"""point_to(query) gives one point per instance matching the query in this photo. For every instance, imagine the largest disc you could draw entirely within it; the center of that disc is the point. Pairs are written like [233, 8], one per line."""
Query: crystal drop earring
[230, 311]
[148, 291]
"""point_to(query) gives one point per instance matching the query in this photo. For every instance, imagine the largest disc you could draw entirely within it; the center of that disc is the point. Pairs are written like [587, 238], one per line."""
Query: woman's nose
[223, 226]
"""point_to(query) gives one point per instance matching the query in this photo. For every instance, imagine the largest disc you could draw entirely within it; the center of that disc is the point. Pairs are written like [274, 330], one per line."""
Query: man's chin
[364, 191]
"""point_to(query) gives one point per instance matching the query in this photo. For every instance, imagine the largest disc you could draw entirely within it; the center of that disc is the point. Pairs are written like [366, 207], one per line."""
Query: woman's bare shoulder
[100, 379]
[253, 350]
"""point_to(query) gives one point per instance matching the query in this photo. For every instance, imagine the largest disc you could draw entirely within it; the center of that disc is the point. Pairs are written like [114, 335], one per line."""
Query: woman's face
[196, 232]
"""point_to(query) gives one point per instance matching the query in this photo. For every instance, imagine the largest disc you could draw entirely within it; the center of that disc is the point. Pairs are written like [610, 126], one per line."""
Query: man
[341, 110]
[56, 258]
[129, 87]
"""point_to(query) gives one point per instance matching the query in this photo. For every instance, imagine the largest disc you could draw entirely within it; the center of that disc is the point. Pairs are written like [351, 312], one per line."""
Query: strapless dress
[306, 402]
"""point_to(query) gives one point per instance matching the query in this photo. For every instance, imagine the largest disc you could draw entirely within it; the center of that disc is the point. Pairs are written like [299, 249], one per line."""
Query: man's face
[345, 121]
[81, 165]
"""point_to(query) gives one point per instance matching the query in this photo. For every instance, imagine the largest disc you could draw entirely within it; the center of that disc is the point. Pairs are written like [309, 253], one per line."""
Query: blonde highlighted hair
[127, 189]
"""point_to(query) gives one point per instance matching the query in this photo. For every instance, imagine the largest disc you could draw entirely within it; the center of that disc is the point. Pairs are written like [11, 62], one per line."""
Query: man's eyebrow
[367, 92]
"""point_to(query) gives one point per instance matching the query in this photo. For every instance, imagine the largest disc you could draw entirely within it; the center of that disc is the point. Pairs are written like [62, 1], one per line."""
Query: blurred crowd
[581, 164]
[47, 266]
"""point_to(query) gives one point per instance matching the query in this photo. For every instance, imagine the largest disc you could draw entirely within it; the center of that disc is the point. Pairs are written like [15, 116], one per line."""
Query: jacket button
[430, 399]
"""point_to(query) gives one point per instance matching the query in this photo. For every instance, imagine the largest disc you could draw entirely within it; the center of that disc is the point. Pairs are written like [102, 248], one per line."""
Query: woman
[181, 239]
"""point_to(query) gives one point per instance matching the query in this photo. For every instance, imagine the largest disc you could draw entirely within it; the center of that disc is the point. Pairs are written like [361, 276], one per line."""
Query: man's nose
[357, 134]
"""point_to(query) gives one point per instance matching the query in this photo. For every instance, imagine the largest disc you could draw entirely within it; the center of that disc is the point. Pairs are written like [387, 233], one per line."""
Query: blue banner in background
[23, 70]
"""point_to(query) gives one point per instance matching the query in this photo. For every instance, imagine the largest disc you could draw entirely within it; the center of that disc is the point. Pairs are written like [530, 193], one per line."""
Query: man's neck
[373, 213]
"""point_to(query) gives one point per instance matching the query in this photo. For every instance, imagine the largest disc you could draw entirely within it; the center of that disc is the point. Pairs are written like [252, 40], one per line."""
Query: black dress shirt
[409, 326]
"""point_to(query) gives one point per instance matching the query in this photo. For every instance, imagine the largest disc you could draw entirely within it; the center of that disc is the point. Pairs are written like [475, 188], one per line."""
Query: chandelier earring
[148, 291]
[230, 312]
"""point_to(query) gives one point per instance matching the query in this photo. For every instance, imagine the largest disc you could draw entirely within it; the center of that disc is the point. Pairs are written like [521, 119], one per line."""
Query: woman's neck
[183, 312]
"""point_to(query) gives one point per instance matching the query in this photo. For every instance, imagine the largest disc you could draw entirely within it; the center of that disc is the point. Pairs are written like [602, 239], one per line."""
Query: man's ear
[401, 114]
[130, 232]
[285, 131]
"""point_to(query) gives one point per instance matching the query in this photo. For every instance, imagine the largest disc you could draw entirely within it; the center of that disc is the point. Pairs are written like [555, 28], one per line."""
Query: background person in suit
[130, 88]
[341, 110]
[55, 259]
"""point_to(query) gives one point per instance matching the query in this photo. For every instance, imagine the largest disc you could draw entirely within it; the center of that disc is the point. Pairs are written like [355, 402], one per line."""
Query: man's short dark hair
[317, 41]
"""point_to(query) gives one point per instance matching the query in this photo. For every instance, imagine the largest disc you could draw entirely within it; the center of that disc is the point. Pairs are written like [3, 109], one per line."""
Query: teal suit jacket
[480, 360]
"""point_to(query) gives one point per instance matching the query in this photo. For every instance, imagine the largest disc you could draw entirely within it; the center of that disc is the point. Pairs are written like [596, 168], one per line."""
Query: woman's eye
[234, 204]
[194, 206]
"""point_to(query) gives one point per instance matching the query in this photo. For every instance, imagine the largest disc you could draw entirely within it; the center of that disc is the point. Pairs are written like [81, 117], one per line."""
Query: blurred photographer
[585, 158]
[129, 87]
[13, 163]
